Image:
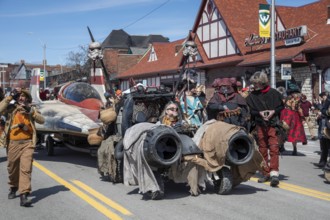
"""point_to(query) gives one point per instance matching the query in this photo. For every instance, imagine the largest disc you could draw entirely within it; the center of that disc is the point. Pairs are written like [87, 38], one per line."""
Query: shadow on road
[289, 153]
[243, 189]
[181, 190]
[45, 192]
[172, 191]
[68, 156]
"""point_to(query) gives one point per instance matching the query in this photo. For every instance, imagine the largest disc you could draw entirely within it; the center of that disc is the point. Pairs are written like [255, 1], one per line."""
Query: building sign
[286, 72]
[293, 41]
[296, 32]
[264, 20]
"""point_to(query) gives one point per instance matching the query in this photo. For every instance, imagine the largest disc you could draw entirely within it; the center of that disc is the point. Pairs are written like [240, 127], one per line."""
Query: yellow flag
[264, 20]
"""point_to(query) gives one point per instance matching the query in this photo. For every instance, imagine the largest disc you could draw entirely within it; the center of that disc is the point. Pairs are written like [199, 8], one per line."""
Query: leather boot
[25, 201]
[12, 192]
[274, 181]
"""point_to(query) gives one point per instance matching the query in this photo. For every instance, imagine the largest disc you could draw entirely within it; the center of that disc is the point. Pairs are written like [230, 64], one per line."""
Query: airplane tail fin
[97, 82]
[35, 85]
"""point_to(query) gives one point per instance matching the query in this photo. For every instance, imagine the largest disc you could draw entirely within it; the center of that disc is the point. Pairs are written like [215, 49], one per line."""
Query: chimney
[22, 61]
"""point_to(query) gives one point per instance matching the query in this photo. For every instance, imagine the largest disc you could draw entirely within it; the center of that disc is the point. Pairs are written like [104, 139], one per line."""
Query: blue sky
[27, 25]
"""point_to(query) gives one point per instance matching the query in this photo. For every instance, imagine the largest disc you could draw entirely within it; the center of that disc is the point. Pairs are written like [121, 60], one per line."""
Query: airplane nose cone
[93, 104]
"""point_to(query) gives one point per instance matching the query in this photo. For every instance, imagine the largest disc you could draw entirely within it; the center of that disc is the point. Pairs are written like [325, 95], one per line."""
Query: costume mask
[172, 112]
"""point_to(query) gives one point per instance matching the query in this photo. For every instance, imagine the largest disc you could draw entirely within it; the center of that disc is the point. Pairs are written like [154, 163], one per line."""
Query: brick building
[224, 31]
[121, 51]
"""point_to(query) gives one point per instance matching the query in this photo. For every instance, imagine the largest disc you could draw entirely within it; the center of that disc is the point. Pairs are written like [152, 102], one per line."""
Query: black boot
[25, 201]
[294, 152]
[274, 181]
[12, 193]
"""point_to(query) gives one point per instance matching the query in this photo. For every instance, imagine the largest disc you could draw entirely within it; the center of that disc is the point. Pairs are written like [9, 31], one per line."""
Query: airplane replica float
[142, 152]
[71, 117]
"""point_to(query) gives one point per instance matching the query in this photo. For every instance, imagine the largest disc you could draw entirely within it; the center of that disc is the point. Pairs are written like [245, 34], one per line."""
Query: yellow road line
[101, 197]
[79, 193]
[301, 190]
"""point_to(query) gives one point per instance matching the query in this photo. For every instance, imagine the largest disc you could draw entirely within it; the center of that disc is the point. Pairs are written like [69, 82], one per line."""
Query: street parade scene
[229, 121]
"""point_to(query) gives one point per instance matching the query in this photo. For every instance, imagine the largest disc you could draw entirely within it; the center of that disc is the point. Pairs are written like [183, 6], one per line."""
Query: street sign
[286, 71]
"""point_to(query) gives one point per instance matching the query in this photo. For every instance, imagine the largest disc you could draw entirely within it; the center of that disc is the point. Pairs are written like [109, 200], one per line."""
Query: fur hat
[216, 82]
[260, 77]
[27, 94]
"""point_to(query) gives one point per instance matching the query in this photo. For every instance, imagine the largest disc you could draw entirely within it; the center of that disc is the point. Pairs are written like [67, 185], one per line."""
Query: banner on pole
[42, 75]
[264, 20]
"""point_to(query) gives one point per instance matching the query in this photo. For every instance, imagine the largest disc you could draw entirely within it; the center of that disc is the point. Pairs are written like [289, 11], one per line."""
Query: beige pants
[20, 158]
[310, 126]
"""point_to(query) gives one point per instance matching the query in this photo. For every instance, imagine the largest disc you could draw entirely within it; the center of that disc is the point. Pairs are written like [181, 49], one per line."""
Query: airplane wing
[63, 118]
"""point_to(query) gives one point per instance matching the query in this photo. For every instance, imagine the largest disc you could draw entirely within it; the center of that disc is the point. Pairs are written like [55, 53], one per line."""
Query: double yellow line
[101, 208]
[301, 190]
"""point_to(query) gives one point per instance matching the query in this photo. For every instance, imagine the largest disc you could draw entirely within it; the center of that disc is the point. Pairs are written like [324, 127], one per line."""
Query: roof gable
[213, 32]
[117, 39]
[152, 55]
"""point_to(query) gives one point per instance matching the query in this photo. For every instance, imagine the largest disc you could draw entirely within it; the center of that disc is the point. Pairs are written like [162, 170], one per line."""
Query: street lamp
[272, 57]
[44, 58]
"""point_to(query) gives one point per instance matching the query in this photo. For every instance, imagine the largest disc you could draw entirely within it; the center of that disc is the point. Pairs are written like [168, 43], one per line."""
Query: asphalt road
[67, 186]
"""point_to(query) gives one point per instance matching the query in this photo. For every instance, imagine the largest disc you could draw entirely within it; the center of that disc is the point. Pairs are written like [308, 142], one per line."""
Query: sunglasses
[172, 109]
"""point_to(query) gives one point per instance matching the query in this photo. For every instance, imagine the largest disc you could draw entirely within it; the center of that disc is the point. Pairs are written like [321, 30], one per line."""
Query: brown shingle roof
[167, 61]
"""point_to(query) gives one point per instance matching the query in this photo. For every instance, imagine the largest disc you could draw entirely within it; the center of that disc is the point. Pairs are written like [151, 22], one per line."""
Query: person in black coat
[265, 107]
[324, 130]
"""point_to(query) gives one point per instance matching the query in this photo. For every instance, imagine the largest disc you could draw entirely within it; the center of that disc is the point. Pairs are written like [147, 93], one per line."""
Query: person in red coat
[292, 119]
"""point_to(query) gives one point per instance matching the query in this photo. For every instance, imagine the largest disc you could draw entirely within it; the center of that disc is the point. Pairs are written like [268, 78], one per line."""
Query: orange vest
[17, 133]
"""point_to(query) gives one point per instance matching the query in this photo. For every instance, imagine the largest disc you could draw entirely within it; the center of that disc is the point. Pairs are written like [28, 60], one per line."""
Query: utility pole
[44, 58]
[44, 61]
[272, 37]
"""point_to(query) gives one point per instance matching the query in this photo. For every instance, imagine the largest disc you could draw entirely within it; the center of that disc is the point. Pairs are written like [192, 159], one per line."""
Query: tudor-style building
[225, 33]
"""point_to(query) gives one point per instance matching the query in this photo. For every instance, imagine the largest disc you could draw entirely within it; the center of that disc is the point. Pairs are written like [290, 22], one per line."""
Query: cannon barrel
[162, 147]
[240, 149]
